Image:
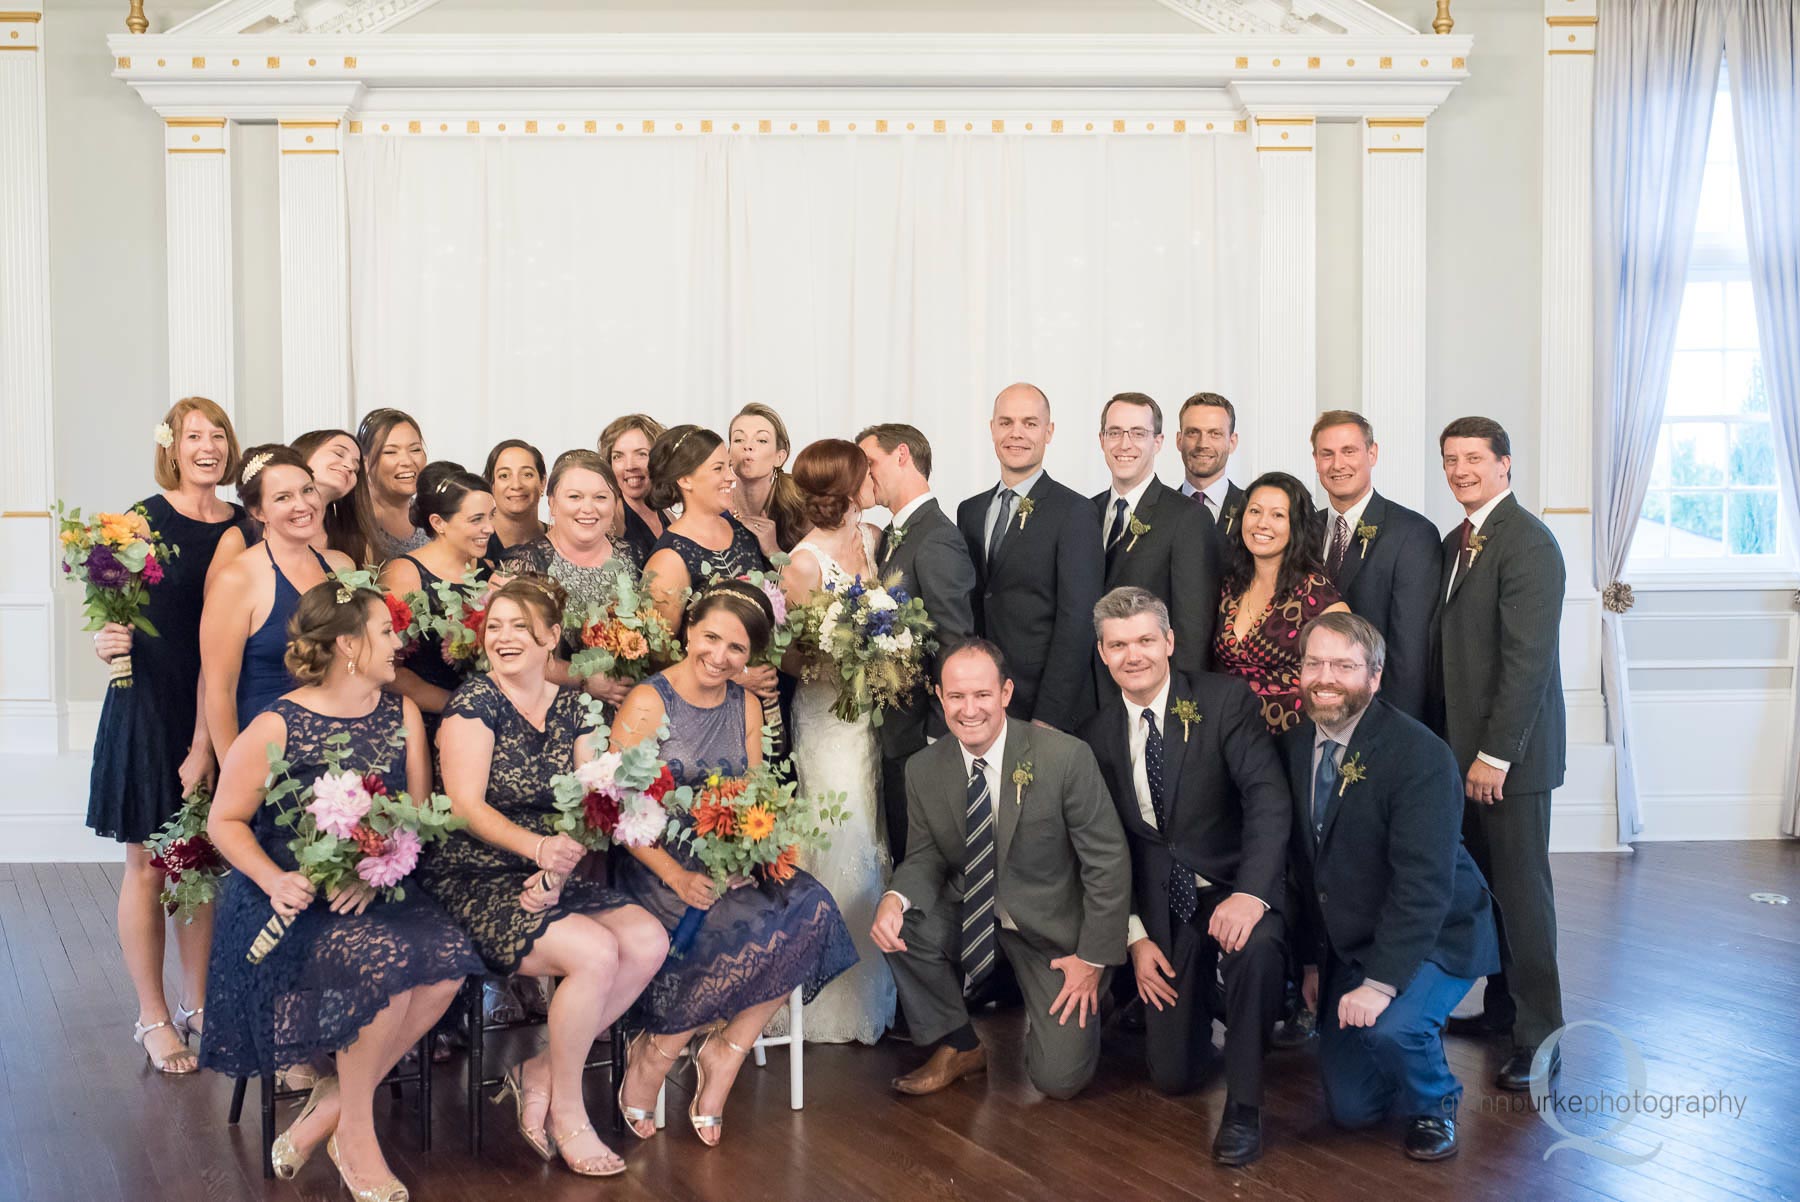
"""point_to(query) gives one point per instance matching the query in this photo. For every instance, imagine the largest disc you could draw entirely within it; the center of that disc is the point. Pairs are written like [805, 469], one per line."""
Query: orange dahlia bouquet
[621, 635]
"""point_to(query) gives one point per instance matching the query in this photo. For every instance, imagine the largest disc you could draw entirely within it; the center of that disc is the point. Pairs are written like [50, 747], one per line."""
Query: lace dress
[759, 942]
[425, 657]
[331, 974]
[584, 585]
[705, 565]
[1268, 656]
[834, 756]
[145, 730]
[479, 884]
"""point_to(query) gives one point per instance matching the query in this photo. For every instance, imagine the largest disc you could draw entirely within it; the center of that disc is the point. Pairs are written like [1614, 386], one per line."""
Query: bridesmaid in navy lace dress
[243, 633]
[507, 877]
[152, 745]
[456, 506]
[1274, 586]
[355, 976]
[760, 939]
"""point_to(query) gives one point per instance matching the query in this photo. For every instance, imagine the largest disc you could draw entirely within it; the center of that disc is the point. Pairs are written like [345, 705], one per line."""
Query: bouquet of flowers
[618, 796]
[191, 866]
[621, 635]
[742, 825]
[119, 558]
[872, 638]
[456, 616]
[346, 824]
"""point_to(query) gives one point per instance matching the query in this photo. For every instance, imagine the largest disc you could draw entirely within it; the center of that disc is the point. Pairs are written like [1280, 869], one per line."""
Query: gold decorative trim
[24, 18]
[307, 124]
[1242, 63]
[1396, 150]
[349, 62]
[1286, 121]
[1559, 22]
[196, 150]
[125, 64]
[1556, 52]
[1301, 149]
[195, 122]
[1396, 122]
[26, 513]
[1153, 124]
[1582, 509]
[1457, 64]
[1442, 24]
[1312, 64]
[309, 151]
[1387, 63]
[23, 49]
[356, 127]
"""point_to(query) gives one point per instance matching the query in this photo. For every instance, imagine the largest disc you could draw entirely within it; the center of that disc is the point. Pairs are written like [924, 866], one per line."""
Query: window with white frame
[1713, 503]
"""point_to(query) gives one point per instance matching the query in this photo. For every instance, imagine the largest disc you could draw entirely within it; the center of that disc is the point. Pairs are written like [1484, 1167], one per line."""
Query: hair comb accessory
[256, 464]
[344, 594]
[685, 435]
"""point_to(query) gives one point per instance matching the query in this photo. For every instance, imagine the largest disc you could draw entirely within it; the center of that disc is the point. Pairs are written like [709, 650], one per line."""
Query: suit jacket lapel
[1368, 733]
[1174, 750]
[1014, 528]
[1373, 515]
[1018, 751]
[1490, 530]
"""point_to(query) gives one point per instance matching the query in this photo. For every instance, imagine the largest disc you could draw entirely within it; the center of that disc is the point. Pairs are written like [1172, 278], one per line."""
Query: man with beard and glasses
[1394, 921]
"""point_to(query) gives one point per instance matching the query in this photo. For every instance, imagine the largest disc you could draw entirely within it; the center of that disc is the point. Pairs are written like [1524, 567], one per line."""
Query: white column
[315, 278]
[29, 698]
[1287, 397]
[1583, 813]
[1393, 303]
[197, 182]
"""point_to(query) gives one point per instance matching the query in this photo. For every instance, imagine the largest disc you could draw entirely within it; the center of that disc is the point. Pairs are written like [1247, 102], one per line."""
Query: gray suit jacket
[1496, 657]
[1064, 875]
[933, 562]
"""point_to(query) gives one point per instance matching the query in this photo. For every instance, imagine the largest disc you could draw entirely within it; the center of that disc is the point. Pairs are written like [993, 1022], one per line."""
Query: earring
[352, 667]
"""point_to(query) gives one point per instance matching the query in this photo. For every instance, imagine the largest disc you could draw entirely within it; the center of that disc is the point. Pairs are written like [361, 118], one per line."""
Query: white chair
[795, 1041]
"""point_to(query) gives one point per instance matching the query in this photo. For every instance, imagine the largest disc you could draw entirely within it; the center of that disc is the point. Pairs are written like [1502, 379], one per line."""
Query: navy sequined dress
[759, 942]
[331, 974]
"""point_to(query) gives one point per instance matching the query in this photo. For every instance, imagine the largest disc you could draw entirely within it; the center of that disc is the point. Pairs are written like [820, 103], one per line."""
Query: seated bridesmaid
[355, 976]
[583, 550]
[760, 939]
[515, 472]
[457, 508]
[1274, 586]
[507, 877]
[244, 627]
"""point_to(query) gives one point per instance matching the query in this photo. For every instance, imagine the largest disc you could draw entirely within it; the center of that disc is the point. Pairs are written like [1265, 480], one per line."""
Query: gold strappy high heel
[161, 1065]
[388, 1191]
[587, 1168]
[514, 1083]
[636, 1114]
[286, 1159]
[702, 1122]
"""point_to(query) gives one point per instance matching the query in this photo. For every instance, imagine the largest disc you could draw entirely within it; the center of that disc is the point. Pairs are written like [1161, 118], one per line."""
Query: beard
[1336, 713]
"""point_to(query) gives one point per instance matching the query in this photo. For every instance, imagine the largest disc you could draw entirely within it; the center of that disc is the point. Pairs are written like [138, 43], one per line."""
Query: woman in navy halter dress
[759, 941]
[264, 676]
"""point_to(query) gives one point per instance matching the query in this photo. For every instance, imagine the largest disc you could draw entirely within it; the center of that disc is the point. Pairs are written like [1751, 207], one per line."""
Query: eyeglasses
[1116, 434]
[1342, 667]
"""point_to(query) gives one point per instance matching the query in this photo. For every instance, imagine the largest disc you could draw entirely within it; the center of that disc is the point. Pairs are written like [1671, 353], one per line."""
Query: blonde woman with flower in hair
[152, 748]
[356, 976]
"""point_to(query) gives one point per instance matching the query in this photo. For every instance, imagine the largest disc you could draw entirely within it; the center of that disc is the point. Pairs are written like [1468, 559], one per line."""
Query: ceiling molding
[300, 16]
[1315, 18]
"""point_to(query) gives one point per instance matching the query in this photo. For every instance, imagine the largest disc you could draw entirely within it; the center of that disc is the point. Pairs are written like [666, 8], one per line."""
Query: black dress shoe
[1515, 1075]
[1479, 1026]
[1239, 1140]
[1294, 1031]
[1430, 1138]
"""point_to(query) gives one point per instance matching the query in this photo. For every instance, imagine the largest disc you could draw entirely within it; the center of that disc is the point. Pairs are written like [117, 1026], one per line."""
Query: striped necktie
[980, 920]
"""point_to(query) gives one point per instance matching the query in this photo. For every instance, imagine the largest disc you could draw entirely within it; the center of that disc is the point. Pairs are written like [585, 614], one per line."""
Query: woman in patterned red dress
[1274, 586]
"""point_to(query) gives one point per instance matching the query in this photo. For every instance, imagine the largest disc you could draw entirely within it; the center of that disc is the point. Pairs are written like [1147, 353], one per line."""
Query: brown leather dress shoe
[946, 1067]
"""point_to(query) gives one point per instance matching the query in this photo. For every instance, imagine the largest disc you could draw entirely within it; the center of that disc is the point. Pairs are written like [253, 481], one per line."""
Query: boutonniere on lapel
[896, 533]
[1352, 772]
[1026, 505]
[1366, 533]
[1187, 712]
[1476, 542]
[1230, 517]
[1138, 530]
[1021, 777]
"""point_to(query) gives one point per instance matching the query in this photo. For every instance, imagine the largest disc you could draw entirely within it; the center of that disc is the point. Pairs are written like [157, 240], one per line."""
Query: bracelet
[538, 851]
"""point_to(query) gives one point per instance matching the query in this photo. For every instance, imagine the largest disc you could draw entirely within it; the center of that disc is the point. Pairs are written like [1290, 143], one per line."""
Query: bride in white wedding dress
[834, 756]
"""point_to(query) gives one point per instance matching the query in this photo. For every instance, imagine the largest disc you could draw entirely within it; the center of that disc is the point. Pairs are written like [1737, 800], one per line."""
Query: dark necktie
[1465, 535]
[1206, 505]
[1340, 543]
[1325, 780]
[1117, 530]
[997, 531]
[979, 917]
[1184, 897]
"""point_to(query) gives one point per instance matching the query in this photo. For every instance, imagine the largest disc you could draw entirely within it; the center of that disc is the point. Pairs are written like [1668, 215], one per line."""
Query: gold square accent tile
[1242, 63]
[937, 127]
[531, 127]
[1387, 64]
[706, 127]
[412, 127]
[349, 62]
[1056, 126]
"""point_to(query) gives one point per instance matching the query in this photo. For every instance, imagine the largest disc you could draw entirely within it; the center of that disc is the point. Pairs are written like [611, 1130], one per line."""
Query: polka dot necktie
[1183, 896]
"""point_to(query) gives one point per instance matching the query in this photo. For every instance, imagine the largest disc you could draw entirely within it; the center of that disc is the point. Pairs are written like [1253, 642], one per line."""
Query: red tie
[1464, 535]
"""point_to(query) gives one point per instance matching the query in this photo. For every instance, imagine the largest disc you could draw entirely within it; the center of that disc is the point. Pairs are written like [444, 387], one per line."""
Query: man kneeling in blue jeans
[1395, 922]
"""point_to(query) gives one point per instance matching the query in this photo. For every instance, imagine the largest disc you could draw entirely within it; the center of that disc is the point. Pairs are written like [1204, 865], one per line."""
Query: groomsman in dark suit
[1038, 563]
[1155, 538]
[1383, 557]
[1204, 801]
[1017, 868]
[1206, 436]
[1395, 921]
[924, 547]
[1498, 684]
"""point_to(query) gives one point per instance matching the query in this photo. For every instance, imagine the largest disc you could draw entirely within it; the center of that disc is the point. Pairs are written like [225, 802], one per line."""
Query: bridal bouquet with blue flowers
[871, 638]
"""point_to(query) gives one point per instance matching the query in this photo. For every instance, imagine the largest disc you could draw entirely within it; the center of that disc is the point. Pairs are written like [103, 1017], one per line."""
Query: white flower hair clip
[165, 437]
[256, 464]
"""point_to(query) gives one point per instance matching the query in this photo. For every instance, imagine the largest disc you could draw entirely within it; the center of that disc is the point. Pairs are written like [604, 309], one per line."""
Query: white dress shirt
[1216, 492]
[1352, 517]
[905, 512]
[1131, 503]
[1477, 520]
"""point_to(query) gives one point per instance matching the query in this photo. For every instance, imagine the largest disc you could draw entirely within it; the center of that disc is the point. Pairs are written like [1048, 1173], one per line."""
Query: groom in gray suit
[1016, 866]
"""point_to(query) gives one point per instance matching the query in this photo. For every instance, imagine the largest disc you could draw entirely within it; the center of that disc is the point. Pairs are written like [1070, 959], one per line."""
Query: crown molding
[1310, 18]
[260, 17]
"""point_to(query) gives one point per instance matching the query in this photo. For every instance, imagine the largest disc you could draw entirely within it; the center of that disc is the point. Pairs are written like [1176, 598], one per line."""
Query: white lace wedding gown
[834, 756]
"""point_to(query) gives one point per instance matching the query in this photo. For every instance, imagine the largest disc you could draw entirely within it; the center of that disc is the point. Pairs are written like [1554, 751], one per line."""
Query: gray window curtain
[1656, 68]
[1761, 45]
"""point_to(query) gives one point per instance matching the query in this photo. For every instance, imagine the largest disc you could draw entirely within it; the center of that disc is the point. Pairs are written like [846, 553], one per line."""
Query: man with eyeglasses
[1155, 538]
[1394, 921]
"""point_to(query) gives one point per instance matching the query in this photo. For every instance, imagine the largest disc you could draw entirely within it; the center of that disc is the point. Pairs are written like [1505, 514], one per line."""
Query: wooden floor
[1665, 946]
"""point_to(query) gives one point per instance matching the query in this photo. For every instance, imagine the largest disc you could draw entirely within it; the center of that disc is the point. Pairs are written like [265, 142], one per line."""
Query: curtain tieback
[1616, 597]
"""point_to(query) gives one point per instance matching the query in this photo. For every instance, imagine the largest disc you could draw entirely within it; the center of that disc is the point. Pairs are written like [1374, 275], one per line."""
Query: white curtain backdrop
[538, 287]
